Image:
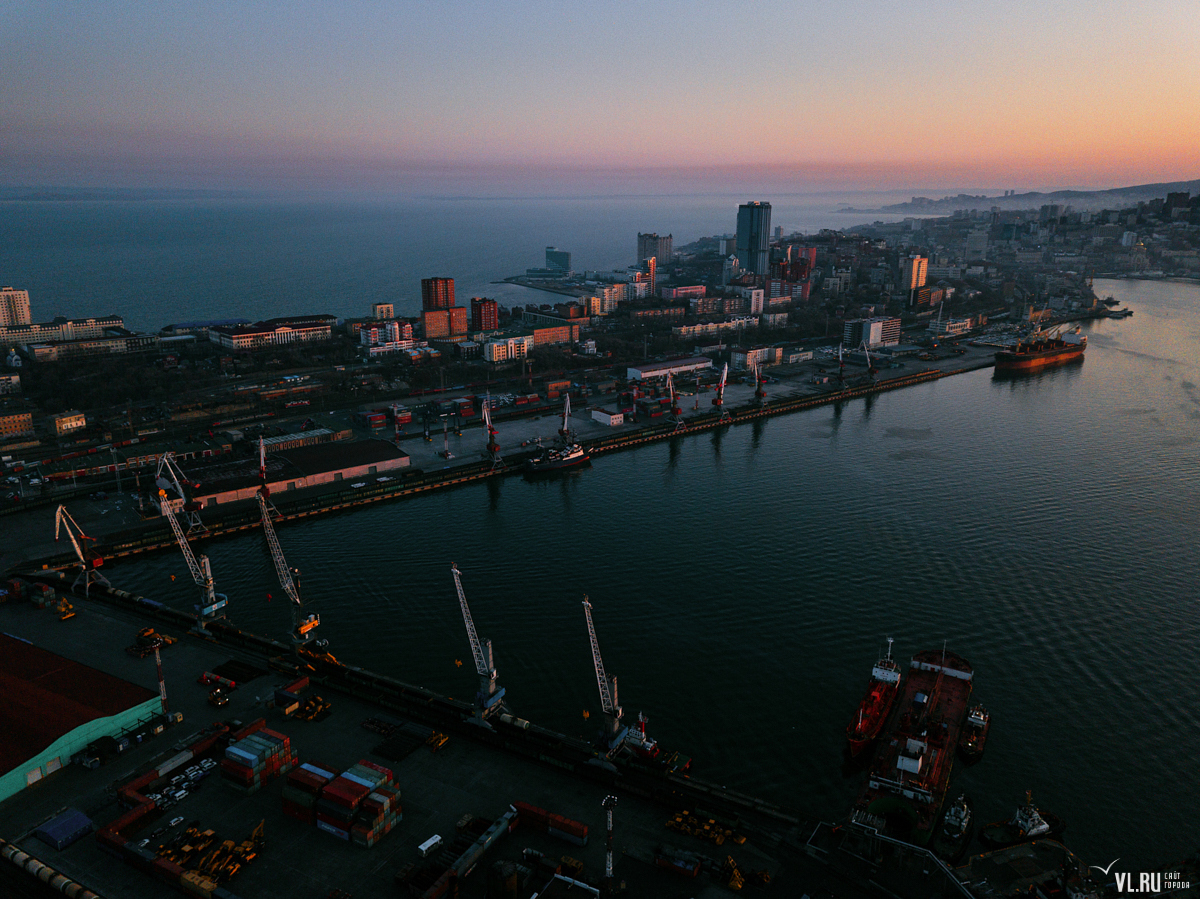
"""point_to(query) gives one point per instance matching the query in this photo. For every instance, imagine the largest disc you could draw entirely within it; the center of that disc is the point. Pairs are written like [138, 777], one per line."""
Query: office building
[874, 332]
[558, 260]
[485, 314]
[14, 307]
[651, 245]
[753, 237]
[437, 293]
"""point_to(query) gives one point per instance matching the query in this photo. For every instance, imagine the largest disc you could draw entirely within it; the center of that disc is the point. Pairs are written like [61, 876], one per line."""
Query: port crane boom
[493, 448]
[174, 479]
[302, 627]
[614, 731]
[487, 700]
[719, 401]
[88, 572]
[211, 602]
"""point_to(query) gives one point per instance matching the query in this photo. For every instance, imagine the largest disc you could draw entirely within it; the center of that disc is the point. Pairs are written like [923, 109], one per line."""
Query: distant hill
[1079, 200]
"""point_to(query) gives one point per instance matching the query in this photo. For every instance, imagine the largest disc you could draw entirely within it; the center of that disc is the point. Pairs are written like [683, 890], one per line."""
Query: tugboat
[874, 708]
[1028, 823]
[951, 839]
[974, 733]
[567, 455]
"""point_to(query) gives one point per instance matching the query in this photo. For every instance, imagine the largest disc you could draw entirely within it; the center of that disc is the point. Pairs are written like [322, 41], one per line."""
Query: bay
[744, 582]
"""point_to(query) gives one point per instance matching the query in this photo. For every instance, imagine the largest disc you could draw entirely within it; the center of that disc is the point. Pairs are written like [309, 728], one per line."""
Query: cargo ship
[873, 710]
[1040, 350]
[907, 782]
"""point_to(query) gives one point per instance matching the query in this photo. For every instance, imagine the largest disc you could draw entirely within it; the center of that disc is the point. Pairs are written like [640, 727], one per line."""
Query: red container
[252, 728]
[386, 772]
[300, 683]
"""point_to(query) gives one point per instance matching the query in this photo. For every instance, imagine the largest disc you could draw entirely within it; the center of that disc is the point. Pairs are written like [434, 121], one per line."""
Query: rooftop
[44, 696]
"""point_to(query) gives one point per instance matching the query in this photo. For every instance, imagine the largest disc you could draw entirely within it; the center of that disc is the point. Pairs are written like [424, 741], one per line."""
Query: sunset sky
[606, 96]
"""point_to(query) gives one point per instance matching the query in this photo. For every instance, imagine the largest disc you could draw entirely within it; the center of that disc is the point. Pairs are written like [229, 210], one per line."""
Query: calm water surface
[744, 582]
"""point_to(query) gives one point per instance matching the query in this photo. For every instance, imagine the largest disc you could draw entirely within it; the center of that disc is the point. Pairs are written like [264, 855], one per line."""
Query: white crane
[565, 431]
[211, 602]
[614, 730]
[487, 700]
[88, 572]
[302, 626]
[719, 401]
[174, 479]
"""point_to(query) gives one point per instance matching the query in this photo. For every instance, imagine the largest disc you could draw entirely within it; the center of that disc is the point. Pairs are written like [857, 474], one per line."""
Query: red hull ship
[1041, 351]
[873, 710]
[908, 778]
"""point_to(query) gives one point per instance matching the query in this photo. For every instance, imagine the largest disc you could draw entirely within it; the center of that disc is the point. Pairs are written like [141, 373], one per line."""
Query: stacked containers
[303, 788]
[42, 595]
[287, 699]
[17, 589]
[362, 802]
[255, 758]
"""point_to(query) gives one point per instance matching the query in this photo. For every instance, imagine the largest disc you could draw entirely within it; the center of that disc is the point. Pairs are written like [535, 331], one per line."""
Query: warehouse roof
[323, 457]
[44, 696]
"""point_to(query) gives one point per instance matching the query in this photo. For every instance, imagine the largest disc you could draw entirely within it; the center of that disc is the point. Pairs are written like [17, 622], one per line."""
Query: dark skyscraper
[753, 237]
[662, 248]
[437, 293]
[484, 314]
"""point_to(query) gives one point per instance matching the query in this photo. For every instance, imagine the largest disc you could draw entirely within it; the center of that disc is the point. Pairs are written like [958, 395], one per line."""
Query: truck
[430, 846]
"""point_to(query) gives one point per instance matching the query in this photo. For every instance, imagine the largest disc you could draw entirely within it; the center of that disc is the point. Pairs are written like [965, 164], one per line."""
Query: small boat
[1027, 823]
[951, 839]
[974, 733]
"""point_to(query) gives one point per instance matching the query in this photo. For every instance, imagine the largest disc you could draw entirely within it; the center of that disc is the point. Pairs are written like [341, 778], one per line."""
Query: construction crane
[88, 572]
[488, 698]
[493, 448]
[211, 602]
[676, 412]
[169, 477]
[303, 626]
[719, 400]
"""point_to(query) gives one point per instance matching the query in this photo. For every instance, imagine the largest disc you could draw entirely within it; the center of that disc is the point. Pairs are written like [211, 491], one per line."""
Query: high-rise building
[874, 332]
[662, 248]
[382, 311]
[14, 307]
[753, 237]
[913, 272]
[437, 293]
[485, 314]
[558, 260]
[652, 270]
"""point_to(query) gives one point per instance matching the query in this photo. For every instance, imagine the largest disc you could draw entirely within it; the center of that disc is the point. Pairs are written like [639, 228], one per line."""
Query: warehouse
[53, 708]
[674, 367]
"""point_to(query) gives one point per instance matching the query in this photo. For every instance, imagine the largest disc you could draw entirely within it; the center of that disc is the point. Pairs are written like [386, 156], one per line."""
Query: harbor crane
[211, 603]
[88, 573]
[616, 734]
[564, 432]
[760, 384]
[493, 448]
[488, 698]
[719, 400]
[841, 366]
[169, 477]
[676, 412]
[303, 626]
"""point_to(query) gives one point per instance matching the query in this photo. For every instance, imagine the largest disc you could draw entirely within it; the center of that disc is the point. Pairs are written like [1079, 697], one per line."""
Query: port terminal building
[53, 708]
[674, 367]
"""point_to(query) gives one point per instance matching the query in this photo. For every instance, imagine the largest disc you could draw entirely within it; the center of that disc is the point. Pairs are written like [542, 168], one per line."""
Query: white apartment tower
[14, 307]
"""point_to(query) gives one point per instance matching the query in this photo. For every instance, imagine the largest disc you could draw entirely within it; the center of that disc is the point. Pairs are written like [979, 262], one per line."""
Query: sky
[599, 97]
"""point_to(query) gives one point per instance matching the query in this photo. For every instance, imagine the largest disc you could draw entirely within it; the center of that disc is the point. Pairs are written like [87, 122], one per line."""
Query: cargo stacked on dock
[362, 802]
[302, 789]
[542, 821]
[256, 756]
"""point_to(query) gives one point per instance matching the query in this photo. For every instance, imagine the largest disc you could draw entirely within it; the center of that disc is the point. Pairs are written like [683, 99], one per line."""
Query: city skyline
[472, 97]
